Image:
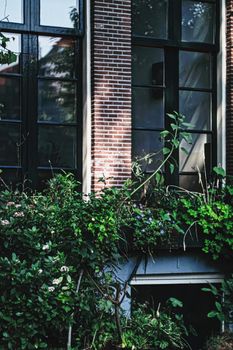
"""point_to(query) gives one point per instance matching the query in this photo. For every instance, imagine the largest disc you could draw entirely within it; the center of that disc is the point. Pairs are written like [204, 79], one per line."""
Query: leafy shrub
[220, 342]
[148, 329]
[59, 252]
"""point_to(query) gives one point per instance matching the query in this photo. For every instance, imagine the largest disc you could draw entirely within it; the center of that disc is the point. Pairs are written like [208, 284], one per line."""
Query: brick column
[111, 95]
[229, 112]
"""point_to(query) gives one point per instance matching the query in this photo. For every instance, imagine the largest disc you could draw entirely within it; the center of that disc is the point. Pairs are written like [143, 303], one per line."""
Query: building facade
[91, 89]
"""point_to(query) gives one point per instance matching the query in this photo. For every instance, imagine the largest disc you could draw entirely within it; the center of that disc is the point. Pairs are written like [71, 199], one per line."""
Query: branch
[69, 342]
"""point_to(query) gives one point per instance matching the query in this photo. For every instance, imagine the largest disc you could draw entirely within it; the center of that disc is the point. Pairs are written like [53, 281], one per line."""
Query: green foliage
[48, 241]
[220, 342]
[147, 329]
[6, 55]
[224, 301]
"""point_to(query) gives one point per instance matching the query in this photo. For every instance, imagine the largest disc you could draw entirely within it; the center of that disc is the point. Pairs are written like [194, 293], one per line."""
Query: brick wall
[111, 104]
[229, 116]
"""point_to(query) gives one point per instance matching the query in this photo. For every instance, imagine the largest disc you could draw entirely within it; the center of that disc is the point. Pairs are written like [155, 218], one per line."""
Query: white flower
[45, 247]
[5, 222]
[10, 204]
[40, 271]
[64, 269]
[56, 281]
[18, 205]
[51, 289]
[18, 214]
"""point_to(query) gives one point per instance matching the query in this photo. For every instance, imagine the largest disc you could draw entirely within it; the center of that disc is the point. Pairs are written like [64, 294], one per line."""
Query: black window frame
[30, 31]
[172, 46]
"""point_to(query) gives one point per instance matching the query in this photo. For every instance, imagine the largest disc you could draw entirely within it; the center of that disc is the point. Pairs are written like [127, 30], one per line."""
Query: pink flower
[5, 222]
[10, 204]
[18, 214]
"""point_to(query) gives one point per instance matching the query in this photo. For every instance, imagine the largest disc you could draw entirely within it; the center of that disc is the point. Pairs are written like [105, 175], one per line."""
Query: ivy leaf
[174, 126]
[218, 306]
[172, 168]
[176, 302]
[172, 116]
[176, 143]
[212, 314]
[166, 150]
[158, 177]
[188, 125]
[164, 133]
[219, 171]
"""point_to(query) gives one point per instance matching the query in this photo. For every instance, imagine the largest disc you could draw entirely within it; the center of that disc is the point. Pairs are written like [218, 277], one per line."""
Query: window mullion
[32, 110]
[172, 104]
[174, 20]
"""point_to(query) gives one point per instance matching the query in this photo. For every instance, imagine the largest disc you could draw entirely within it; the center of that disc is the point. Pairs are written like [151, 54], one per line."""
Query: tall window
[40, 94]
[175, 45]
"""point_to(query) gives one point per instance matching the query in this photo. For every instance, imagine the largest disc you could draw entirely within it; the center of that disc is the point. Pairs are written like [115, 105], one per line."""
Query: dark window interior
[41, 93]
[196, 305]
[175, 45]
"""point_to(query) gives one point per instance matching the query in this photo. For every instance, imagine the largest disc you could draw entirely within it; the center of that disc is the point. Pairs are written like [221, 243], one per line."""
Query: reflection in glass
[11, 11]
[147, 66]
[56, 101]
[57, 146]
[195, 70]
[56, 57]
[148, 108]
[196, 107]
[10, 145]
[145, 143]
[149, 18]
[59, 13]
[10, 177]
[198, 153]
[9, 98]
[13, 45]
[198, 21]
[190, 183]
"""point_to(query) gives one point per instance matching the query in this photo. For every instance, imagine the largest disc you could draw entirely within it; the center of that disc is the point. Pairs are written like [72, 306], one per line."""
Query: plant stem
[69, 342]
[160, 167]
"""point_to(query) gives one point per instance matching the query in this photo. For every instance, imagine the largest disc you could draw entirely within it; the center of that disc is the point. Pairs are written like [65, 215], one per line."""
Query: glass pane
[11, 177]
[196, 107]
[148, 108]
[195, 70]
[57, 146]
[198, 153]
[198, 21]
[190, 182]
[148, 66]
[56, 101]
[56, 57]
[11, 11]
[147, 143]
[13, 45]
[59, 13]
[149, 18]
[9, 98]
[10, 145]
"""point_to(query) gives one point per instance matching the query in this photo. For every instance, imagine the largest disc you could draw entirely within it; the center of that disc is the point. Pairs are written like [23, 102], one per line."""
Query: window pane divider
[147, 129]
[10, 167]
[149, 86]
[195, 89]
[69, 80]
[55, 123]
[193, 131]
[10, 75]
[9, 121]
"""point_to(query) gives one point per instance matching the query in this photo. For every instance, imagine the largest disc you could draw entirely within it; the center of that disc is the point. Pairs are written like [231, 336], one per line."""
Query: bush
[59, 252]
[220, 342]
